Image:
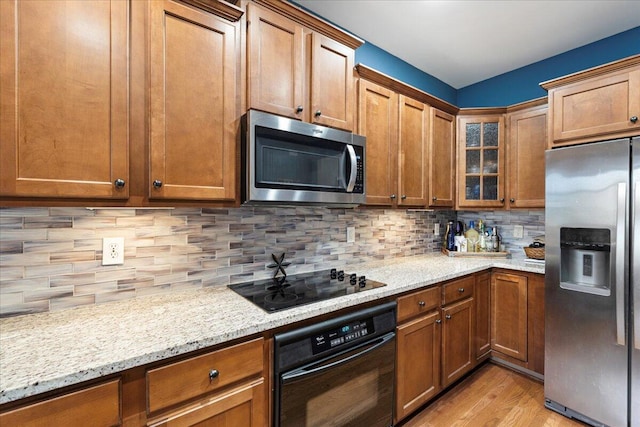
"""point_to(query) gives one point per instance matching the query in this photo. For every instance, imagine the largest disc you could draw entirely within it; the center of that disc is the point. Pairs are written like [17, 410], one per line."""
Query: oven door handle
[310, 370]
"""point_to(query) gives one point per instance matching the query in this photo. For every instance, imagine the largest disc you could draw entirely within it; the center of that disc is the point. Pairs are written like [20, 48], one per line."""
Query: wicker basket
[535, 253]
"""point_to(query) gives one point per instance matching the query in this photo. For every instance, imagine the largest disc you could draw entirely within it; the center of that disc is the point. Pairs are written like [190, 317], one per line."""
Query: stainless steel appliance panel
[586, 360]
[635, 289]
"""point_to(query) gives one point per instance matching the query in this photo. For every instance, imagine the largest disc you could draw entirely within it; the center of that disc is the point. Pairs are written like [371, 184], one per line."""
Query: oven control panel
[341, 335]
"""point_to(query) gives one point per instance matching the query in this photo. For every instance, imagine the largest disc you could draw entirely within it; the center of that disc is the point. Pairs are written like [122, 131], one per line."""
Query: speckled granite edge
[43, 352]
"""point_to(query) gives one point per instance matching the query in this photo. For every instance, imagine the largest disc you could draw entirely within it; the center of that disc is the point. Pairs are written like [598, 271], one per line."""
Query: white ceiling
[462, 42]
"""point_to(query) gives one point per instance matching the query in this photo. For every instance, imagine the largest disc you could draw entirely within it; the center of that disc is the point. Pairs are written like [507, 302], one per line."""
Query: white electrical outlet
[518, 231]
[436, 229]
[351, 234]
[113, 250]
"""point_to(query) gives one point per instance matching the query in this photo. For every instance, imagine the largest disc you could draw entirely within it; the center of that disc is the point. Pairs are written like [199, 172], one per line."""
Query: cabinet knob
[318, 113]
[438, 321]
[299, 109]
[512, 200]
[634, 119]
[448, 316]
[213, 374]
[502, 200]
[421, 303]
[461, 290]
[157, 183]
[119, 183]
[434, 198]
[393, 196]
[404, 196]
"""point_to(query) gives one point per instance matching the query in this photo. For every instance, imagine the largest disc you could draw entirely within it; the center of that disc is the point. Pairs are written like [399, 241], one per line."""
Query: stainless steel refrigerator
[592, 282]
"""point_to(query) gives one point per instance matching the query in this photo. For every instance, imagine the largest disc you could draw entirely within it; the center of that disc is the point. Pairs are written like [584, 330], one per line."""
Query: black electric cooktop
[284, 292]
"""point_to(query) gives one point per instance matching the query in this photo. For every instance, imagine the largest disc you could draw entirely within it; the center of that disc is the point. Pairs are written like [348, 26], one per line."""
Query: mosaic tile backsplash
[51, 258]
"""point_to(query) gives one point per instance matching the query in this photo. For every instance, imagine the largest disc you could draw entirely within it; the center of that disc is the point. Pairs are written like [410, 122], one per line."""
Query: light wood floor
[492, 396]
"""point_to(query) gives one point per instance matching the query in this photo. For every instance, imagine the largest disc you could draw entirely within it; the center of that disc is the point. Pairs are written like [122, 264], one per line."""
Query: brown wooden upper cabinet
[526, 143]
[442, 159]
[299, 66]
[397, 129]
[64, 115]
[194, 114]
[481, 165]
[596, 104]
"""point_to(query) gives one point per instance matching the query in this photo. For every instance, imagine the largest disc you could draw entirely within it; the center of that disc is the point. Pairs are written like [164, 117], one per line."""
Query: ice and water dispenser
[585, 258]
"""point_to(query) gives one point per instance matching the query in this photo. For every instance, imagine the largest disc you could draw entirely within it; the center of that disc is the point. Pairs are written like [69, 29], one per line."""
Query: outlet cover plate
[113, 250]
[351, 234]
[518, 231]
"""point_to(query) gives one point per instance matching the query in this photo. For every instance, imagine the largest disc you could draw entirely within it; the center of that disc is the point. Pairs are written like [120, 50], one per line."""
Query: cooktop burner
[284, 292]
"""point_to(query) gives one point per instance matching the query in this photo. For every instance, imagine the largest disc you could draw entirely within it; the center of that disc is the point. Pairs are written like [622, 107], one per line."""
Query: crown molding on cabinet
[223, 9]
[310, 21]
[592, 72]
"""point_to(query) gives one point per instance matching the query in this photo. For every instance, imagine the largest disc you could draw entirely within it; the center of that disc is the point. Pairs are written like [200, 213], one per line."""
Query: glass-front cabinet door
[481, 166]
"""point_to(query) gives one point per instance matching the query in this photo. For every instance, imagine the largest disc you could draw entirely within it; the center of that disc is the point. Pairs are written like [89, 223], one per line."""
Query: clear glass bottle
[472, 237]
[495, 240]
[482, 241]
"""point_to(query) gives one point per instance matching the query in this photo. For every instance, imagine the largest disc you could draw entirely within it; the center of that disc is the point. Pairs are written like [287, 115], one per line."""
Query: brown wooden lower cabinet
[418, 363]
[99, 403]
[457, 341]
[517, 319]
[482, 302]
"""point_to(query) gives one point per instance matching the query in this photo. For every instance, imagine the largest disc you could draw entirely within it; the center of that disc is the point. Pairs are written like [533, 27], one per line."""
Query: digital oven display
[341, 335]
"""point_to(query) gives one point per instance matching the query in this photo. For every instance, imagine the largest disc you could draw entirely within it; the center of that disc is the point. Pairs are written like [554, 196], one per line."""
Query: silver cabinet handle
[393, 196]
[438, 321]
[119, 183]
[213, 374]
[620, 251]
[157, 183]
[421, 303]
[299, 109]
[448, 316]
[403, 197]
[461, 290]
[354, 168]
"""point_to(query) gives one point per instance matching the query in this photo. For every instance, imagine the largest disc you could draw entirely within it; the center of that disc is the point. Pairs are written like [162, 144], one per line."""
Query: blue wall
[522, 84]
[380, 60]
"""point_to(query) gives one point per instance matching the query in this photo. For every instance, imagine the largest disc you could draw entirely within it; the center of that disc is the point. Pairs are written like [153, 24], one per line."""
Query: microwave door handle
[354, 168]
[620, 261]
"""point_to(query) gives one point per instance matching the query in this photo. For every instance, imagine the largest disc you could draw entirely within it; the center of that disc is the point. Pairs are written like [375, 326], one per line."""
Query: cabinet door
[64, 109]
[275, 64]
[525, 150]
[597, 108]
[418, 363]
[535, 322]
[100, 404]
[442, 159]
[412, 149]
[482, 301]
[378, 121]
[481, 171]
[509, 315]
[193, 104]
[242, 406]
[457, 341]
[331, 83]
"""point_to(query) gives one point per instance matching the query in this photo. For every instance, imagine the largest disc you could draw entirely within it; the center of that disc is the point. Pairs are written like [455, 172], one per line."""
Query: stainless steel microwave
[285, 161]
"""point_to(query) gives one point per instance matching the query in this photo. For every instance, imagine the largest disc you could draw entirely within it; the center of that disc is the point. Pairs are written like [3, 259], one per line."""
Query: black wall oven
[338, 372]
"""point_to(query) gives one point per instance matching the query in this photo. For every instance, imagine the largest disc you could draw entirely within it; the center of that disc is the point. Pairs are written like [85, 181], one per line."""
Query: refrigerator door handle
[636, 267]
[619, 269]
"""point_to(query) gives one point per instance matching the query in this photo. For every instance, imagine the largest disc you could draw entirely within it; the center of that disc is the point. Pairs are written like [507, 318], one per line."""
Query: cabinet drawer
[457, 290]
[178, 382]
[418, 302]
[100, 404]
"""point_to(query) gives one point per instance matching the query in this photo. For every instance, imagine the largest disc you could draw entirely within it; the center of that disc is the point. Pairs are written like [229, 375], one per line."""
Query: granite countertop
[43, 352]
